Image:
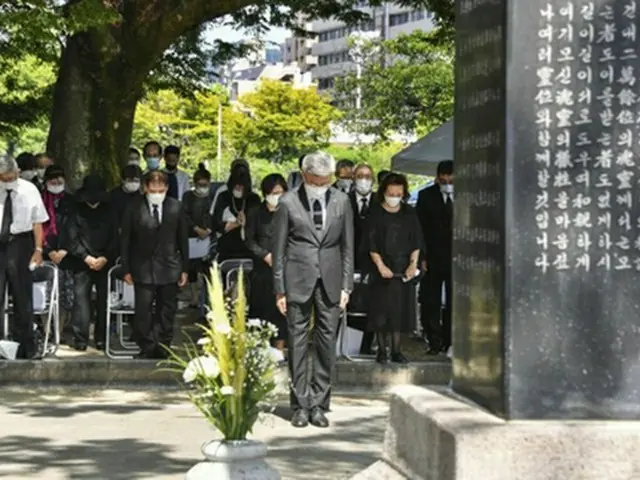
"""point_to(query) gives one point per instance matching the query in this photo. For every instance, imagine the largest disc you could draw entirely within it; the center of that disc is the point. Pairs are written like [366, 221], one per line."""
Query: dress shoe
[318, 419]
[150, 355]
[399, 358]
[100, 346]
[381, 357]
[300, 418]
[79, 346]
[434, 351]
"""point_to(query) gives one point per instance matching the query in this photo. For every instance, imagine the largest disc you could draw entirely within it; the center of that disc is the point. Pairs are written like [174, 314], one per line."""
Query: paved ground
[127, 435]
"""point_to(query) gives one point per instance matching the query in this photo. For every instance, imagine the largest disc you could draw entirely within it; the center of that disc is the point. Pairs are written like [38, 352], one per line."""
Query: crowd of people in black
[147, 222]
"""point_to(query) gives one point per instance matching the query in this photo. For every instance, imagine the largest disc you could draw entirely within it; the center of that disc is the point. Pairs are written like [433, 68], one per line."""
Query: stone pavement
[74, 434]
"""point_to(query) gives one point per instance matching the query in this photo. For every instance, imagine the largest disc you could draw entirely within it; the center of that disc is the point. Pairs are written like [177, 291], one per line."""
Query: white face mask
[28, 174]
[393, 202]
[237, 193]
[156, 198]
[345, 184]
[273, 199]
[314, 191]
[55, 189]
[446, 188]
[363, 186]
[203, 191]
[132, 186]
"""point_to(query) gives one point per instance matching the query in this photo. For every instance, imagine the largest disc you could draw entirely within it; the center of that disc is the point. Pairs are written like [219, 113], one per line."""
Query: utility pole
[385, 30]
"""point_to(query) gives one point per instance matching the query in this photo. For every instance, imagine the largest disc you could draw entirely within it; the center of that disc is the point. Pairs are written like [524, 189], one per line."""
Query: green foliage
[414, 94]
[280, 121]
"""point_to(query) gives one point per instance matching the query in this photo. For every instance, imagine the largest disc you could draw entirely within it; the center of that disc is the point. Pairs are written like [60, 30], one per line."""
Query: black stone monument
[547, 214]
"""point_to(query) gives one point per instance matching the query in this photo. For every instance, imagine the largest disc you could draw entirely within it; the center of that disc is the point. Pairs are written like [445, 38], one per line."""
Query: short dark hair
[445, 168]
[172, 149]
[134, 150]
[300, 160]
[240, 175]
[201, 174]
[26, 161]
[381, 175]
[131, 171]
[344, 163]
[151, 144]
[54, 171]
[362, 166]
[156, 176]
[393, 179]
[271, 181]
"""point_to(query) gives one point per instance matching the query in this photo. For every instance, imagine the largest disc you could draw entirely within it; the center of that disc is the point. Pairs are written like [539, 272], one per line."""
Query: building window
[418, 15]
[398, 19]
[325, 83]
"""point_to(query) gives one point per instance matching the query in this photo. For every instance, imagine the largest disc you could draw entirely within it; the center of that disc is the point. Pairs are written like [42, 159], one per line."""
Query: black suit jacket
[436, 229]
[155, 255]
[363, 262]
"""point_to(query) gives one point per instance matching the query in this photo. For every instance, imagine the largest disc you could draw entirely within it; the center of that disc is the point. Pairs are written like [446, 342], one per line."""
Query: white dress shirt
[323, 204]
[359, 201]
[445, 196]
[27, 207]
[151, 208]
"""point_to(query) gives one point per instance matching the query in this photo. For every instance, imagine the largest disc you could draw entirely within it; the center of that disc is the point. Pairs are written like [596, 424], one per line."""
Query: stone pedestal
[434, 436]
[546, 239]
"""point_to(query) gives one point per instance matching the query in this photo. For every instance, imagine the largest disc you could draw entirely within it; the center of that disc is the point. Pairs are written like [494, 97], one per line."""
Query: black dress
[259, 240]
[196, 209]
[393, 236]
[231, 244]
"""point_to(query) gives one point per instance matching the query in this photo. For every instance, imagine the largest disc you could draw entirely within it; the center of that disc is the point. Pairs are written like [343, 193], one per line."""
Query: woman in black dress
[394, 246]
[230, 214]
[262, 303]
[197, 203]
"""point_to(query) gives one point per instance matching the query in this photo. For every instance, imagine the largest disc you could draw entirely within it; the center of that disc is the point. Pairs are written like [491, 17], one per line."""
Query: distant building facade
[299, 50]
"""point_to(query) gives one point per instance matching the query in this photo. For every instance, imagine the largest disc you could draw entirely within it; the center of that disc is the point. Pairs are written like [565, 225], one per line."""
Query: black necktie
[317, 215]
[449, 204]
[363, 207]
[7, 218]
[156, 215]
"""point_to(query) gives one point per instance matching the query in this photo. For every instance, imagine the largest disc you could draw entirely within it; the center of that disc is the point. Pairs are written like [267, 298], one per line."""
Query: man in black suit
[435, 212]
[155, 257]
[344, 176]
[362, 201]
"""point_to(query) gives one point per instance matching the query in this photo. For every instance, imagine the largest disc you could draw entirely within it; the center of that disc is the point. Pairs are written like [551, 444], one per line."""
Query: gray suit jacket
[301, 255]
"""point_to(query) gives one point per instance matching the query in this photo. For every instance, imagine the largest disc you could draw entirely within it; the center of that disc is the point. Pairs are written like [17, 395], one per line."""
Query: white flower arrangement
[229, 373]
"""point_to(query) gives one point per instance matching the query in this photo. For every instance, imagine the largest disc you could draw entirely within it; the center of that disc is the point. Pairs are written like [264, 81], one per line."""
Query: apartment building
[298, 50]
[332, 46]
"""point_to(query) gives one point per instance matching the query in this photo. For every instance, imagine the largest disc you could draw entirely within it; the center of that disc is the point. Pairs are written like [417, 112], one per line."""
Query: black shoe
[79, 346]
[434, 351]
[381, 357]
[100, 346]
[399, 358]
[318, 419]
[300, 418]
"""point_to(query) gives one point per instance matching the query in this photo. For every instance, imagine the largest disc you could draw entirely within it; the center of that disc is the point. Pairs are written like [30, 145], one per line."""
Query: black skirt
[392, 305]
[262, 300]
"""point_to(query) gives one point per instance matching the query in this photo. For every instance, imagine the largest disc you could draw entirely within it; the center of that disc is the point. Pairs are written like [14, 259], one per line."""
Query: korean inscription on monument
[588, 134]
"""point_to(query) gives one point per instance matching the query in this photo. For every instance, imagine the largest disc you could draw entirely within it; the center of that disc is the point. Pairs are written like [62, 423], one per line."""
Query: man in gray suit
[313, 271]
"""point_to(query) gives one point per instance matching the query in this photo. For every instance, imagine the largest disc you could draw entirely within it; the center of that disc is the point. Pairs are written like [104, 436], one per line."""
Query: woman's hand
[230, 226]
[385, 272]
[411, 271]
[268, 259]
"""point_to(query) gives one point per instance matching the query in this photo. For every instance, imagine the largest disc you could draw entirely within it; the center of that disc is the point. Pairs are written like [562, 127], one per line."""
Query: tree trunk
[93, 111]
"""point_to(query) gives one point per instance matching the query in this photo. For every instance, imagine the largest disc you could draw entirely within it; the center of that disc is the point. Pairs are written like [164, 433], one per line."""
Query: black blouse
[259, 233]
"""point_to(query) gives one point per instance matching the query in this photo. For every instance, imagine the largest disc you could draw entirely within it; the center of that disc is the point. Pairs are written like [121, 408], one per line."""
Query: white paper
[39, 296]
[228, 217]
[8, 349]
[198, 247]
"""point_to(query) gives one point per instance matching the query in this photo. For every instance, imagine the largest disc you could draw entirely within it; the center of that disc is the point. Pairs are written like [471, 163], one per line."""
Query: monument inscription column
[547, 219]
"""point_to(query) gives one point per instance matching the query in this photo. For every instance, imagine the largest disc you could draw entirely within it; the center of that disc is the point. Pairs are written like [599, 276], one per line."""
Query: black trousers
[152, 328]
[83, 281]
[436, 321]
[311, 382]
[15, 257]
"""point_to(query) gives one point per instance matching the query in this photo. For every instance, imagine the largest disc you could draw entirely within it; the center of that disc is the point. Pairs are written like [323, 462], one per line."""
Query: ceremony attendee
[313, 272]
[262, 302]
[92, 234]
[344, 176]
[196, 208]
[363, 201]
[221, 188]
[381, 175]
[152, 152]
[230, 215]
[43, 161]
[21, 247]
[28, 169]
[155, 257]
[129, 189]
[435, 212]
[178, 179]
[394, 246]
[294, 180]
[133, 157]
[60, 206]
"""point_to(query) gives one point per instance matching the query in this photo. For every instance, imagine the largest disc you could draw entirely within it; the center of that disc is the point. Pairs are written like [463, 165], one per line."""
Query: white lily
[254, 323]
[203, 365]
[204, 341]
[227, 391]
[222, 328]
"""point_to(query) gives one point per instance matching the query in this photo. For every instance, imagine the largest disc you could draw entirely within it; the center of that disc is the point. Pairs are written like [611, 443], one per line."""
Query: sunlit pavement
[61, 434]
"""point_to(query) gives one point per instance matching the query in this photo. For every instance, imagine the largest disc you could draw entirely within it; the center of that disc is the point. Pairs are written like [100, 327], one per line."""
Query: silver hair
[319, 163]
[8, 164]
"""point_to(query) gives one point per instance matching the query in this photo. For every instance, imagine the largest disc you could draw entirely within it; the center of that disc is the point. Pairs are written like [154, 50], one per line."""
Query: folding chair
[229, 270]
[120, 304]
[354, 312]
[46, 306]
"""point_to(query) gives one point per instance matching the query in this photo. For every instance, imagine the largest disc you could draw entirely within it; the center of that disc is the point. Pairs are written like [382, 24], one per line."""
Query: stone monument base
[434, 436]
